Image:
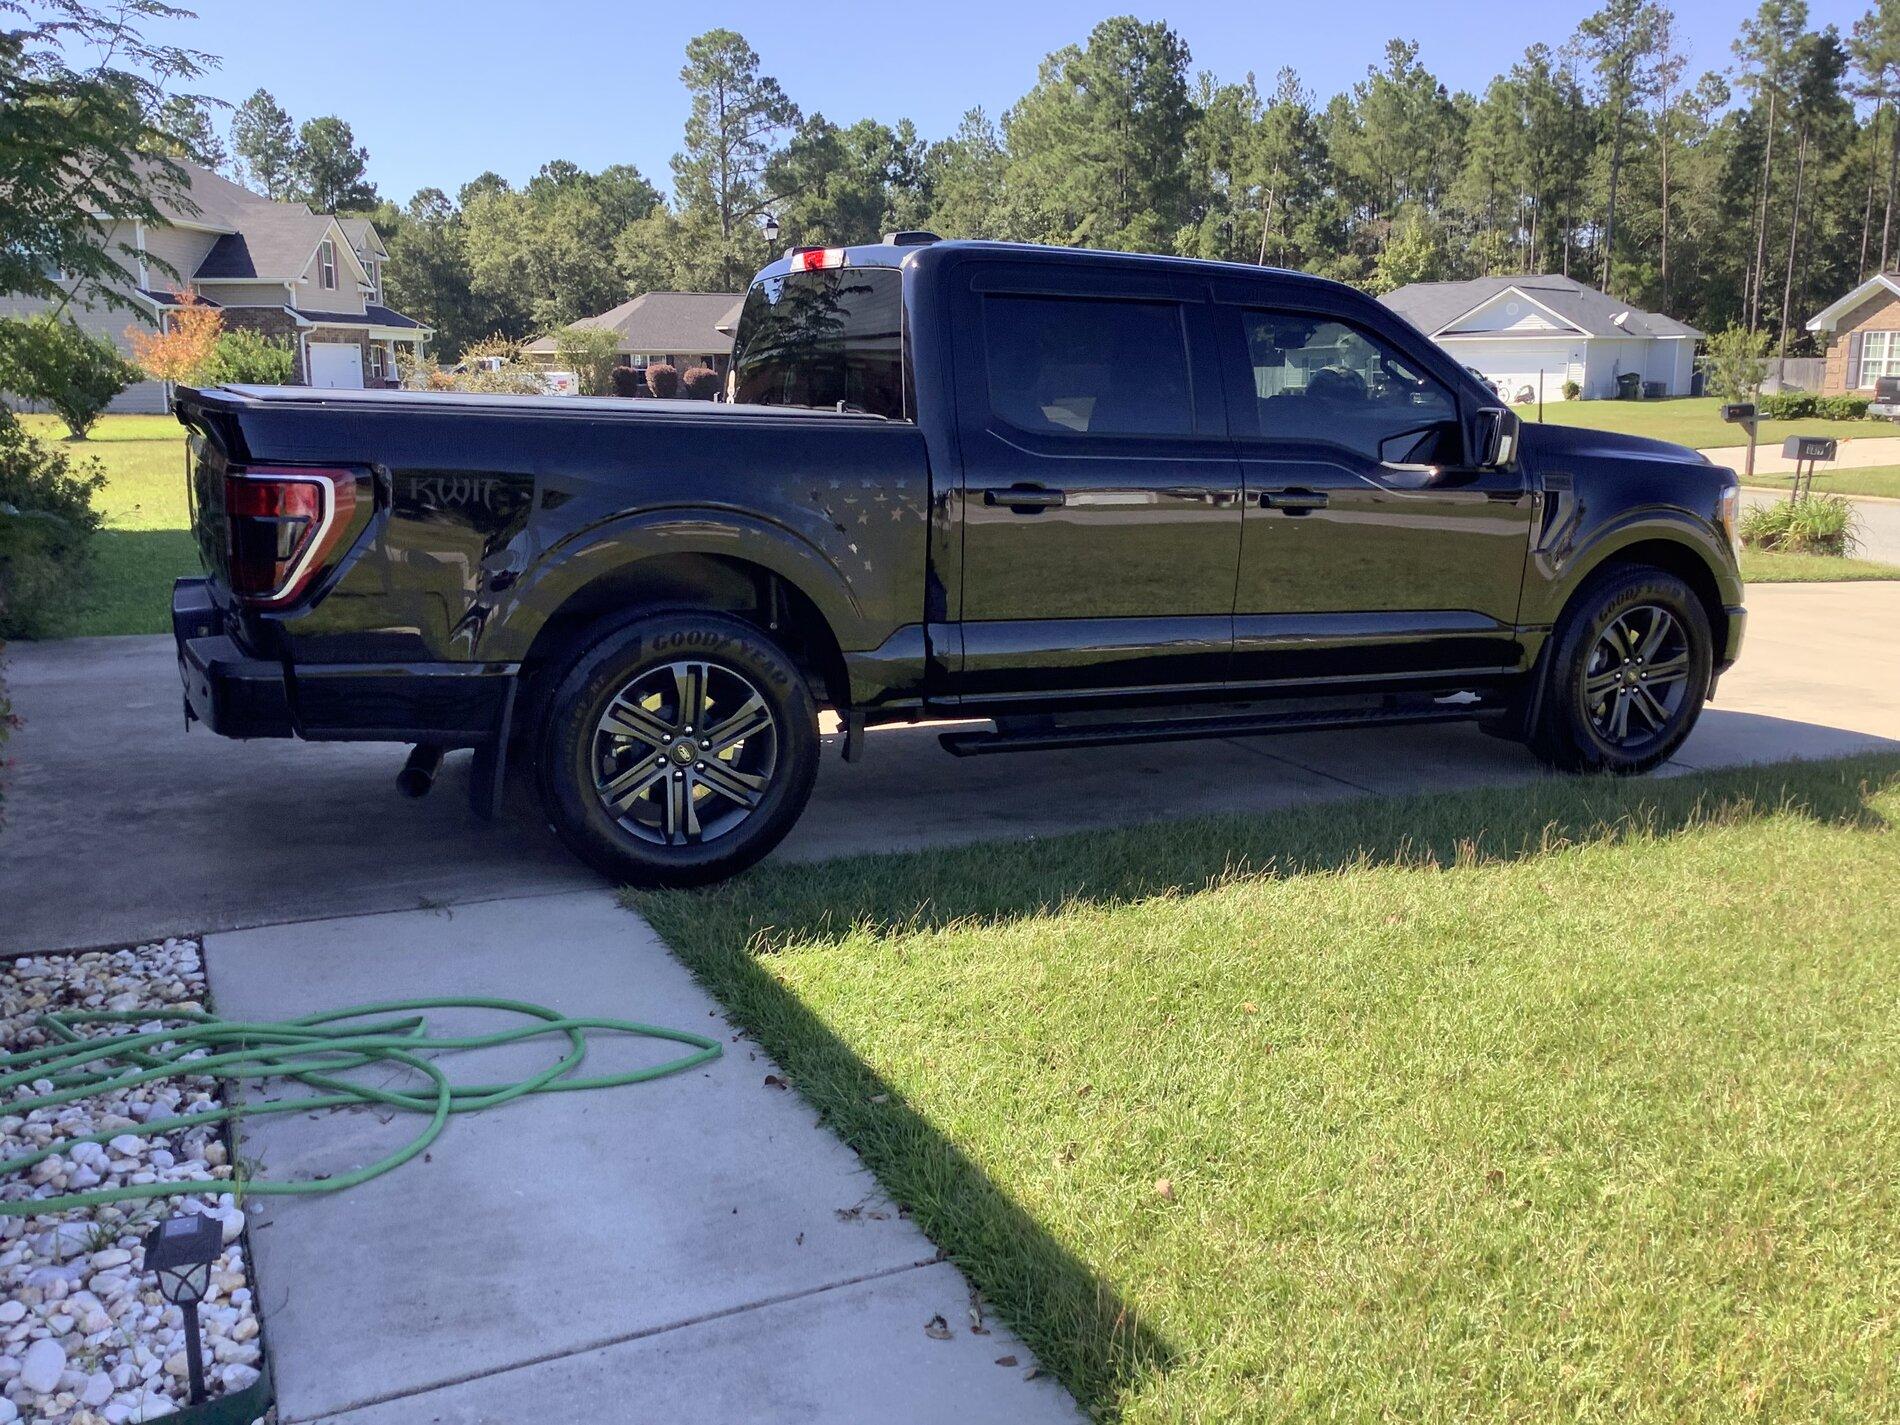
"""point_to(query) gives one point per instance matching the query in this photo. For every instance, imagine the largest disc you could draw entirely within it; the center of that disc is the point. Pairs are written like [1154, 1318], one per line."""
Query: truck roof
[898, 254]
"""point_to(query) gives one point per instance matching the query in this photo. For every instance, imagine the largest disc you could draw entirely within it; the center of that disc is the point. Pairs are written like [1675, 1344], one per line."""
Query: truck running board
[1045, 735]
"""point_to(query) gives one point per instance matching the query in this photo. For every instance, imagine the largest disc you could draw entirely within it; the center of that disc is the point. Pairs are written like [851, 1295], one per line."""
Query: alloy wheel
[1637, 675]
[684, 753]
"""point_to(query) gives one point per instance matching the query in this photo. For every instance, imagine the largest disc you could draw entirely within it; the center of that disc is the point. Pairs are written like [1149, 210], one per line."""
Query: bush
[627, 382]
[1842, 408]
[243, 357]
[47, 521]
[700, 383]
[180, 351]
[1572, 390]
[53, 362]
[663, 380]
[1786, 406]
[1814, 524]
[590, 353]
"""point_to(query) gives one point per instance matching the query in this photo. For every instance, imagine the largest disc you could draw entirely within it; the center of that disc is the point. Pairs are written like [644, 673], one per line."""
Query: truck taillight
[281, 526]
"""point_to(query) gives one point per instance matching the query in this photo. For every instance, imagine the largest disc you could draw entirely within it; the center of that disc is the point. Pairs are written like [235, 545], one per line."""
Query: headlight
[1728, 514]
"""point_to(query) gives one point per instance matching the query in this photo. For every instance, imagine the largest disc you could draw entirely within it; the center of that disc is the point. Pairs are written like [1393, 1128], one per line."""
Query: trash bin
[1629, 386]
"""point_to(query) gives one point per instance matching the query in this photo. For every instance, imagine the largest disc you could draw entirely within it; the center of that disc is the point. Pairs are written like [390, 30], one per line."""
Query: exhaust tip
[418, 772]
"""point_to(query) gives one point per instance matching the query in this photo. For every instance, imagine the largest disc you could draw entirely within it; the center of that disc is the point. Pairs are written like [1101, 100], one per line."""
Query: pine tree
[265, 145]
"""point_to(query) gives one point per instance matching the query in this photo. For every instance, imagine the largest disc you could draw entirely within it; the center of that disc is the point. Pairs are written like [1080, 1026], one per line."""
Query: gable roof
[360, 230]
[275, 243]
[1435, 308]
[1828, 318]
[663, 323]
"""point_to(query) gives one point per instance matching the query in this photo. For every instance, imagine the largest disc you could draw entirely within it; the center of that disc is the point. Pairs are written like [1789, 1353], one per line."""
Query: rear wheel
[678, 750]
[1629, 672]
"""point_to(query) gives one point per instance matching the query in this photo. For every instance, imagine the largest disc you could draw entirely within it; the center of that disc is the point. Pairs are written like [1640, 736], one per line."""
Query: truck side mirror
[1495, 431]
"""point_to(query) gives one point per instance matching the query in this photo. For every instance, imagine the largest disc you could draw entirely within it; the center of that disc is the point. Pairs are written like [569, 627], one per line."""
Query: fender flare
[564, 569]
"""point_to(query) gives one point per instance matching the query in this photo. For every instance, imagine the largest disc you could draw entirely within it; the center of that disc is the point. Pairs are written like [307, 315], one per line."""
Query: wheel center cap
[685, 753]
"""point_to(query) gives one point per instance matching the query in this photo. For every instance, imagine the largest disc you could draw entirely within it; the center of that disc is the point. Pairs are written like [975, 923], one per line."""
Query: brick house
[1862, 332]
[313, 279]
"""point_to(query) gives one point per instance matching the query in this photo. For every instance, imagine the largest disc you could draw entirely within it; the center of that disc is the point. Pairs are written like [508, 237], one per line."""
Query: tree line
[1748, 194]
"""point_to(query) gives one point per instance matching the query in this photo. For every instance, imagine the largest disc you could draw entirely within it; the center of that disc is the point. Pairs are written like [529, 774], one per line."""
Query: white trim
[1570, 327]
[1828, 318]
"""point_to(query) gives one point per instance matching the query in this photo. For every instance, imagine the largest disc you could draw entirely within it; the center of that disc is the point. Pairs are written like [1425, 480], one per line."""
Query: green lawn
[1695, 421]
[1761, 566]
[1882, 480]
[147, 540]
[1576, 1101]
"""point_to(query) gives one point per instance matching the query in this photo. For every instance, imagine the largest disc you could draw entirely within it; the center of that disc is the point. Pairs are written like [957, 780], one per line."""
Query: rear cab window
[829, 339]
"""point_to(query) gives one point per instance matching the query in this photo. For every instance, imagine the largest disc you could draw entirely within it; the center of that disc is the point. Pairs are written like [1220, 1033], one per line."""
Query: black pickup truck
[1091, 497]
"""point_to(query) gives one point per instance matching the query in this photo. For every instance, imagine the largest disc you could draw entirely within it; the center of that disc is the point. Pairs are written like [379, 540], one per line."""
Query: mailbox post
[1742, 413]
[1804, 450]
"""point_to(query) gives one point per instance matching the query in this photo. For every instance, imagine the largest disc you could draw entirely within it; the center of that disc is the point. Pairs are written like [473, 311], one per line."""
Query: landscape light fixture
[771, 230]
[180, 1252]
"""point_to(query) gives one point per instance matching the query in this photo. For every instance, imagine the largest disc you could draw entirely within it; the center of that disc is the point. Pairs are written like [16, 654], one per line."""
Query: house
[313, 279]
[1862, 333]
[682, 329]
[1529, 335]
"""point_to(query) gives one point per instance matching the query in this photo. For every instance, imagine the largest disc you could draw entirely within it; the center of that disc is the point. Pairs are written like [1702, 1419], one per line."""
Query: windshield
[823, 339]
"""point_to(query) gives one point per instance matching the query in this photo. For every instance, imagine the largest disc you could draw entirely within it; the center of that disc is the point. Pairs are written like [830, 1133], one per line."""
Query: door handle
[1293, 502]
[1025, 499]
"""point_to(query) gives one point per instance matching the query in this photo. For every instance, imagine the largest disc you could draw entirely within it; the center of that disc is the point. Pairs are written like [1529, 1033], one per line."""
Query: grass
[1695, 421]
[147, 541]
[1574, 1101]
[1762, 566]
[1881, 480]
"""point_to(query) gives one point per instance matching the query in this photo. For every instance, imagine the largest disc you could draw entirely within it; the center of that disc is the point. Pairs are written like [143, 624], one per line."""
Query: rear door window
[1088, 367]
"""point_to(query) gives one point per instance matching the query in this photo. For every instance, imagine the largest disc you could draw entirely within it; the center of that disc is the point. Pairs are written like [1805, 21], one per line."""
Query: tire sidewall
[1577, 744]
[566, 747]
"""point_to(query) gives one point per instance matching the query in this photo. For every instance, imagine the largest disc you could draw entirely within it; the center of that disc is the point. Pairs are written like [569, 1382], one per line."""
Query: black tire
[613, 761]
[1602, 711]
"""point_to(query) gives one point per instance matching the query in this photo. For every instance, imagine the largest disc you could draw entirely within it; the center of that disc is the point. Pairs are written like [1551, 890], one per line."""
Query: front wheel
[1629, 672]
[678, 750]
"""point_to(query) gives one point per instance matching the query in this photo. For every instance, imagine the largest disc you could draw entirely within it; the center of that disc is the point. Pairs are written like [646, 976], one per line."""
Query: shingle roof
[275, 241]
[357, 229]
[372, 315]
[663, 323]
[1433, 306]
[213, 201]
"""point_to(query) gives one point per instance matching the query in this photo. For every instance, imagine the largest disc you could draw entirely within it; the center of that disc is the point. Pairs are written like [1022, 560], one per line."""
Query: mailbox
[1738, 412]
[1807, 447]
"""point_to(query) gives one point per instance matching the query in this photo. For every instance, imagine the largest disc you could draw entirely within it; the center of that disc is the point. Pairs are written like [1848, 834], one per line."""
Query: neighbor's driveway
[122, 825]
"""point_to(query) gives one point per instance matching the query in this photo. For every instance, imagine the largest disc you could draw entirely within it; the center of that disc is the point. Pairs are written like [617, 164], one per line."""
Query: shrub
[1572, 390]
[47, 521]
[1842, 408]
[1814, 524]
[494, 344]
[700, 383]
[590, 353]
[53, 362]
[180, 351]
[627, 382]
[1735, 364]
[663, 380]
[1786, 406]
[243, 357]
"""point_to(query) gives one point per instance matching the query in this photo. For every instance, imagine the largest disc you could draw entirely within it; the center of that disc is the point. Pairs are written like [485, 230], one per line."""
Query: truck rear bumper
[237, 695]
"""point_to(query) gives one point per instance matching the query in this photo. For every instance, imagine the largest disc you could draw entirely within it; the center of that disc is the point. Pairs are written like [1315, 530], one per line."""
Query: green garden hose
[313, 1050]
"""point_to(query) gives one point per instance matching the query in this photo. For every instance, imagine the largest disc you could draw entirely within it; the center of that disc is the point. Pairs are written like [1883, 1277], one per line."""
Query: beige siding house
[1862, 332]
[313, 279]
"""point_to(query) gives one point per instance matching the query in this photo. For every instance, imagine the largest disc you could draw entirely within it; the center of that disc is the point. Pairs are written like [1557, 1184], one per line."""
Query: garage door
[1516, 365]
[336, 366]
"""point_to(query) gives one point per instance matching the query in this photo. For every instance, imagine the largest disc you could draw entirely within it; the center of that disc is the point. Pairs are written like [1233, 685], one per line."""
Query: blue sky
[441, 91]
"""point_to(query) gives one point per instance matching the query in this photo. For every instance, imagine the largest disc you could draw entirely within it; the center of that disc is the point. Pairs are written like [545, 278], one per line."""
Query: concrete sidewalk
[691, 1249]
[122, 825]
[1855, 453]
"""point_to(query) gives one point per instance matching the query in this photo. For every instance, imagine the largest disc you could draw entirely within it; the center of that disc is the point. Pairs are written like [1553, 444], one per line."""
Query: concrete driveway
[122, 825]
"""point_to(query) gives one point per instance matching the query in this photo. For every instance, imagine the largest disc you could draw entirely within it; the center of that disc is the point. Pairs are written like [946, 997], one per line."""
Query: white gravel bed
[85, 1336]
